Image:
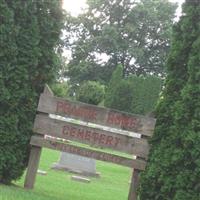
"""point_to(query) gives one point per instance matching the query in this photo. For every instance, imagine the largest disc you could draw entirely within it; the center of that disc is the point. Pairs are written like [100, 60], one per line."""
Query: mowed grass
[57, 185]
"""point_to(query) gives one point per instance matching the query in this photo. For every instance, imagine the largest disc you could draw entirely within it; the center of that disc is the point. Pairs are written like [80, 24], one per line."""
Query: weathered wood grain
[135, 181]
[47, 91]
[96, 137]
[38, 141]
[32, 167]
[92, 136]
[98, 115]
[134, 185]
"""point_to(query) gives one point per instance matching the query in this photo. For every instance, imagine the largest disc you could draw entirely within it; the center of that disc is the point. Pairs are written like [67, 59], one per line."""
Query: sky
[75, 6]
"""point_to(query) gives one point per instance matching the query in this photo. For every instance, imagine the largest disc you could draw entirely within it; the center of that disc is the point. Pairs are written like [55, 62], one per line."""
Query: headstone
[41, 172]
[81, 179]
[76, 164]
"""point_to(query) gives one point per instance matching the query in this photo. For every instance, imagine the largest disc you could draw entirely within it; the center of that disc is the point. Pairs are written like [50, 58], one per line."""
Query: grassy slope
[113, 184]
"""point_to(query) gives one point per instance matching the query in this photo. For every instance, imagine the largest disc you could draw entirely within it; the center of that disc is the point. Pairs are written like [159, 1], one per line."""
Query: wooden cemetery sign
[93, 136]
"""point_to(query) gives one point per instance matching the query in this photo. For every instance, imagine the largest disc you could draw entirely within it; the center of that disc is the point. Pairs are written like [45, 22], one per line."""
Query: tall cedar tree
[29, 36]
[134, 94]
[173, 171]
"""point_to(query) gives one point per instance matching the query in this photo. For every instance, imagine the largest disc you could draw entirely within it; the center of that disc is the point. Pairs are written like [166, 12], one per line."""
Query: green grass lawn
[57, 185]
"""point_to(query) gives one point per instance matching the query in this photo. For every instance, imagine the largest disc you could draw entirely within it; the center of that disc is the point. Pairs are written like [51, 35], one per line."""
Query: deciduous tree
[135, 34]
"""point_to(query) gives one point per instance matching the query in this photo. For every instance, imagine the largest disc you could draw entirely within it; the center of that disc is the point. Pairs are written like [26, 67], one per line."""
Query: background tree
[173, 171]
[29, 35]
[146, 91]
[113, 85]
[135, 34]
[61, 89]
[91, 92]
[136, 94]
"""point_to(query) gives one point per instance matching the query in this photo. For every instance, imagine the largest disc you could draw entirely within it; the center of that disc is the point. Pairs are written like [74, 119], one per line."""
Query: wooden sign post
[94, 136]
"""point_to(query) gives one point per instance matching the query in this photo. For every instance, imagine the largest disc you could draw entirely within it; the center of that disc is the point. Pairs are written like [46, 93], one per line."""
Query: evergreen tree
[29, 34]
[135, 94]
[173, 171]
[146, 92]
[113, 85]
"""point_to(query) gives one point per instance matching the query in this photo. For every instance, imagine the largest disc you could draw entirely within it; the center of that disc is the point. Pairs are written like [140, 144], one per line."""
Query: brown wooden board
[99, 115]
[92, 136]
[38, 141]
[134, 185]
[32, 167]
[96, 137]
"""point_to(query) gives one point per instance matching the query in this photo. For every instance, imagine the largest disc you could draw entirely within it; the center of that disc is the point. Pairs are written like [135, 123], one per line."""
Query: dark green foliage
[136, 94]
[122, 96]
[135, 34]
[173, 171]
[119, 93]
[146, 92]
[114, 83]
[91, 92]
[60, 89]
[29, 33]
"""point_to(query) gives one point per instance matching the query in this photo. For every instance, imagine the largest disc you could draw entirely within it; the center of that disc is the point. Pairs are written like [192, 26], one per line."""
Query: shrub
[91, 92]
[60, 89]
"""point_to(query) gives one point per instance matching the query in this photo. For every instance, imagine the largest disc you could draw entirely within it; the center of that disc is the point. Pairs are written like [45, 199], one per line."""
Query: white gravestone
[76, 164]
